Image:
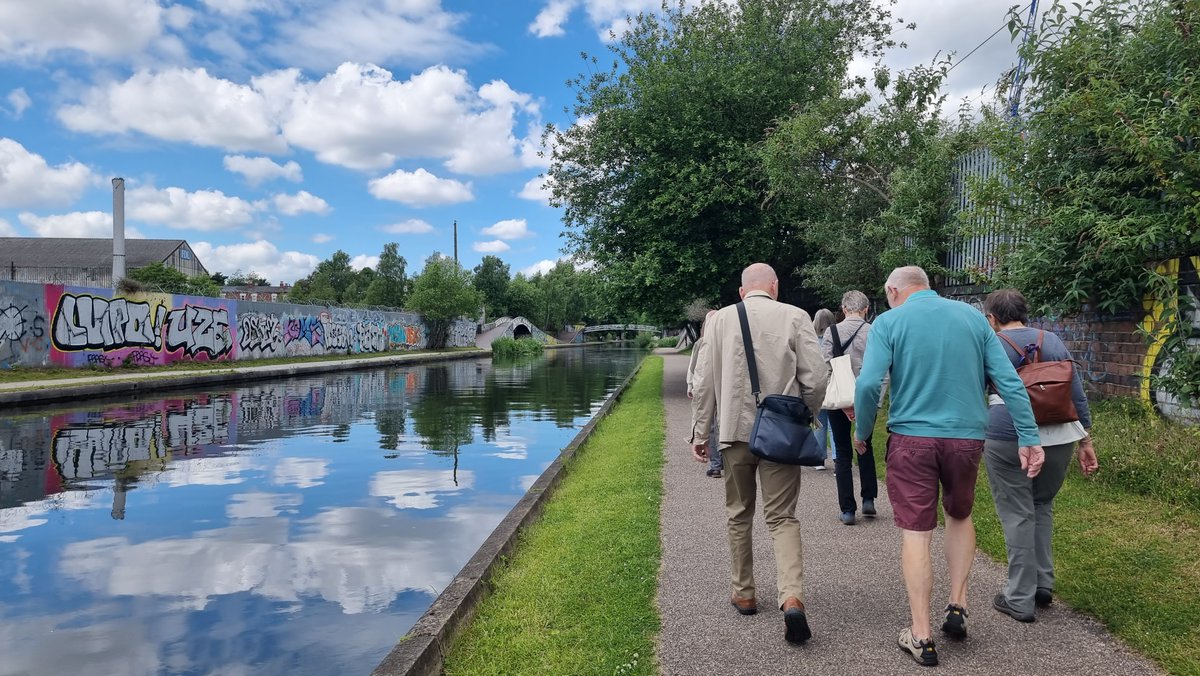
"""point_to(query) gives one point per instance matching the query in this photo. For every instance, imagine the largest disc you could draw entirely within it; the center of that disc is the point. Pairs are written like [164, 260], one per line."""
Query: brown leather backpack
[1048, 384]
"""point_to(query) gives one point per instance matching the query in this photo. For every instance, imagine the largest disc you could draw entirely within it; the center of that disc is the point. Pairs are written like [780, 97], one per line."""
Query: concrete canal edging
[421, 652]
[56, 391]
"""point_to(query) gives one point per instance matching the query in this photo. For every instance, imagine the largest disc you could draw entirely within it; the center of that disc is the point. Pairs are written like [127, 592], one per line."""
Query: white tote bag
[840, 393]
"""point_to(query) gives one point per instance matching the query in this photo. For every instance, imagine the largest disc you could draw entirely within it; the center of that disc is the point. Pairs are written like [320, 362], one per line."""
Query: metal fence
[973, 254]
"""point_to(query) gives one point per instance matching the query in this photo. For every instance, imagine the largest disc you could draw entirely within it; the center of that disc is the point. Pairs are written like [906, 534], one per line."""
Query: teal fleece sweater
[941, 354]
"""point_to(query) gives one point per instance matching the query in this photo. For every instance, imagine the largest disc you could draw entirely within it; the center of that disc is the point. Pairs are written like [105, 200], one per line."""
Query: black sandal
[714, 473]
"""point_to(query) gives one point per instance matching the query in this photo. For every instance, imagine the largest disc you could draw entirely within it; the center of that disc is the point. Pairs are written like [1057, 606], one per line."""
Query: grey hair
[855, 301]
[910, 275]
[822, 320]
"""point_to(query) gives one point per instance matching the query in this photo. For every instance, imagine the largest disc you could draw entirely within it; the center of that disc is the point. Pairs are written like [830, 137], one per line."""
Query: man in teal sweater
[941, 355]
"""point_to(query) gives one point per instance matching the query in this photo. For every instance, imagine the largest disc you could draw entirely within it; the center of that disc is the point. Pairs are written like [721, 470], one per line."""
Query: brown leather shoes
[744, 606]
[795, 622]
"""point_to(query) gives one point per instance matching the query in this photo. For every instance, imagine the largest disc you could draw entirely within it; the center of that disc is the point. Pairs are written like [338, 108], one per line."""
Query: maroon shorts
[916, 466]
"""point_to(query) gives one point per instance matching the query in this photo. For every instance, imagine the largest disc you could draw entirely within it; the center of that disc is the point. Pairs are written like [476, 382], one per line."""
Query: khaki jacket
[788, 357]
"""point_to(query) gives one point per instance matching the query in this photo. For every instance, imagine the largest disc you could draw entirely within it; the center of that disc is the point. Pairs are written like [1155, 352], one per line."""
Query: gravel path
[853, 590]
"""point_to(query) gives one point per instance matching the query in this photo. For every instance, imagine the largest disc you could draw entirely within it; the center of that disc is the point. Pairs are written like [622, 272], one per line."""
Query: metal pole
[456, 241]
[118, 267]
[1014, 103]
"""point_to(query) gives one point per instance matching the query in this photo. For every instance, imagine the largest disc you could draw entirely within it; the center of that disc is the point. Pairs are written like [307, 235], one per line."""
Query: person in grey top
[852, 335]
[1026, 506]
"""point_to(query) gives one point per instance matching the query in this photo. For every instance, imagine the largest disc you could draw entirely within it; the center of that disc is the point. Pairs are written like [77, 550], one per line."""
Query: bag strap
[749, 344]
[1021, 351]
[839, 348]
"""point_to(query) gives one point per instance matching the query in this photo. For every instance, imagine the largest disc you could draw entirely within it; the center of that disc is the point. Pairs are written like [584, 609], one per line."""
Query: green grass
[1129, 559]
[577, 596]
[19, 374]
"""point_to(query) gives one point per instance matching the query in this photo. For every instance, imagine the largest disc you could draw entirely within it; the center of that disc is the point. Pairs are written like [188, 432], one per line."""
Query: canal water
[296, 526]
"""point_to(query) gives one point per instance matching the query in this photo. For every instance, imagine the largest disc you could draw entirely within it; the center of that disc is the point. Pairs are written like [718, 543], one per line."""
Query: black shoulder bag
[783, 425]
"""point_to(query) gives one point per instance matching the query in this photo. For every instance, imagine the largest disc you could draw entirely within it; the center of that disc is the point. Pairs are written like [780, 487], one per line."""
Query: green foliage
[329, 283]
[512, 348]
[645, 340]
[871, 182]
[158, 277]
[389, 288]
[251, 278]
[664, 187]
[524, 298]
[443, 292]
[492, 279]
[1102, 175]
[671, 341]
[1145, 455]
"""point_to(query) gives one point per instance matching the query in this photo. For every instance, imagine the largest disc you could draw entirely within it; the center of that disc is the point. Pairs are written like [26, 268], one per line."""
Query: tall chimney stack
[118, 270]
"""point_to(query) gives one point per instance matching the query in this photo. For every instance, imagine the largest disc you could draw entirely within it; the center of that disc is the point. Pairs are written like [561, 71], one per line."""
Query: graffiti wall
[54, 325]
[1156, 324]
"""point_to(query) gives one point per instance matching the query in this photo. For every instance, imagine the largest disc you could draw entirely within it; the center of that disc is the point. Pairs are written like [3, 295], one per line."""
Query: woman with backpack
[1026, 506]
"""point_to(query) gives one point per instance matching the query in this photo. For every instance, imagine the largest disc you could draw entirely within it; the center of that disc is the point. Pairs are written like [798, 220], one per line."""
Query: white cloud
[357, 116]
[18, 102]
[26, 179]
[261, 505]
[7, 229]
[549, 22]
[419, 489]
[184, 105]
[413, 226]
[258, 170]
[321, 238]
[536, 189]
[541, 267]
[302, 202]
[419, 189]
[364, 261]
[513, 228]
[300, 472]
[261, 256]
[240, 7]
[75, 224]
[203, 210]
[416, 32]
[494, 246]
[106, 28]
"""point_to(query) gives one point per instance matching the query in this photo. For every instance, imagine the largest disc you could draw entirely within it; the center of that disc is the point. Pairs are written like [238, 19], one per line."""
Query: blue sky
[270, 133]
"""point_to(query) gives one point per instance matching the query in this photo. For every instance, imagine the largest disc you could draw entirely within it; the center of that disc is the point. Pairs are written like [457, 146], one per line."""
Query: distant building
[272, 294]
[83, 261]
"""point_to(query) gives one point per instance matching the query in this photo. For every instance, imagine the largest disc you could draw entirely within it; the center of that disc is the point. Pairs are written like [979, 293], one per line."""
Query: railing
[640, 328]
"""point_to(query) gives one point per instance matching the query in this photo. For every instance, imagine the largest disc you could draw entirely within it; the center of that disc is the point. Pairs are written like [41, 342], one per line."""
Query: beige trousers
[780, 486]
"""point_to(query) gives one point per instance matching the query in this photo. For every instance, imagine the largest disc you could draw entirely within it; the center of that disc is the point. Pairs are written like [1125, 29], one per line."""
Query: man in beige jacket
[789, 362]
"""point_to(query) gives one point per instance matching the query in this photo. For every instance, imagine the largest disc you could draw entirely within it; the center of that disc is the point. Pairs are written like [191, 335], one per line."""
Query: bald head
[904, 282]
[760, 277]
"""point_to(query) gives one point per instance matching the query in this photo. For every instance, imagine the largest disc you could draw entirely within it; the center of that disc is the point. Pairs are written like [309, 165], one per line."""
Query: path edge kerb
[421, 652]
[52, 395]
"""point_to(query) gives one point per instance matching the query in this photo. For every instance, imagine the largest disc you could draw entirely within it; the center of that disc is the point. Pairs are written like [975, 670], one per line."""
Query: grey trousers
[1026, 510]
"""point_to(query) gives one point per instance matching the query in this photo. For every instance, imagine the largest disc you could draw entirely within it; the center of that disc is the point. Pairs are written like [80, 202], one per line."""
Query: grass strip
[1130, 560]
[17, 374]
[577, 595]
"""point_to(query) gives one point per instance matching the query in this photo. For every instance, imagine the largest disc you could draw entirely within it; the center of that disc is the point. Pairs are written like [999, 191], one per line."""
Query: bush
[644, 340]
[511, 348]
[668, 342]
[1142, 453]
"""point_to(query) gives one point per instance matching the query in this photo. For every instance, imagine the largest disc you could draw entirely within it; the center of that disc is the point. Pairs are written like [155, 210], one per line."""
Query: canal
[297, 526]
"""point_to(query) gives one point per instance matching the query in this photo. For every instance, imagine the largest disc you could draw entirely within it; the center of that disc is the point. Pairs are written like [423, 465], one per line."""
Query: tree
[662, 181]
[251, 278]
[218, 278]
[390, 285]
[525, 299]
[868, 178]
[328, 283]
[1101, 174]
[443, 292]
[491, 280]
[158, 277]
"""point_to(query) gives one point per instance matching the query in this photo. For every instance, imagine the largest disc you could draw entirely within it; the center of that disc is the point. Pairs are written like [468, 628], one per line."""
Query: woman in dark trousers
[1026, 506]
[852, 340]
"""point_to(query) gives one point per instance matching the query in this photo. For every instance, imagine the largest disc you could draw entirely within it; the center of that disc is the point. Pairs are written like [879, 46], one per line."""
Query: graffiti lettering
[337, 336]
[371, 337]
[91, 323]
[199, 330]
[260, 331]
[305, 328]
[85, 452]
